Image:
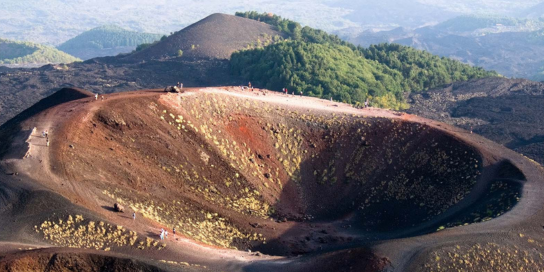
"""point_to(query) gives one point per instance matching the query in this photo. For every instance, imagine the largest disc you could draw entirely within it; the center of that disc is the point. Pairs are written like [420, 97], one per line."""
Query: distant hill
[510, 46]
[214, 37]
[512, 54]
[106, 41]
[466, 26]
[14, 52]
[470, 23]
[534, 12]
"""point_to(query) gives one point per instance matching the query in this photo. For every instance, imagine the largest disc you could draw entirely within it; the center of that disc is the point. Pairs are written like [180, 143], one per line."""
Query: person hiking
[249, 84]
[47, 142]
[174, 231]
[133, 216]
[286, 93]
[366, 103]
[283, 90]
[300, 92]
[95, 97]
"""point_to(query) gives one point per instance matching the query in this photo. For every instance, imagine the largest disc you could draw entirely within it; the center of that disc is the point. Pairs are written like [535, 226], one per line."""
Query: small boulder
[118, 207]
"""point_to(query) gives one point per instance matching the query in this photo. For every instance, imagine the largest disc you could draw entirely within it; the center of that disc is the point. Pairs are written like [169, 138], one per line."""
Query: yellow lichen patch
[203, 226]
[79, 233]
[182, 263]
[489, 257]
[240, 157]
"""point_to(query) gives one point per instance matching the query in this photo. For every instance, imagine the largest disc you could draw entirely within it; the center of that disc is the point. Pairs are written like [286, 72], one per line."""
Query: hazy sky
[54, 21]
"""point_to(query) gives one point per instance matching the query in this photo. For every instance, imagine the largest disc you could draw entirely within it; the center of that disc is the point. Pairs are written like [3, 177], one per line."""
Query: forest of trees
[104, 40]
[320, 70]
[14, 52]
[108, 37]
[422, 70]
[323, 65]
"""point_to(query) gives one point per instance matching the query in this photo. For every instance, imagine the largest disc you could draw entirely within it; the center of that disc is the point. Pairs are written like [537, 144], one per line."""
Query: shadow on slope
[402, 180]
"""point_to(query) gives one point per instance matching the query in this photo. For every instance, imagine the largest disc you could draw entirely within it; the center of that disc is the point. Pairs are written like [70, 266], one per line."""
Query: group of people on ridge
[284, 90]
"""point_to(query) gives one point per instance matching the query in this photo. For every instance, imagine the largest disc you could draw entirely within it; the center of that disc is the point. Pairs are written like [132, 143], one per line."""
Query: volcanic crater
[258, 172]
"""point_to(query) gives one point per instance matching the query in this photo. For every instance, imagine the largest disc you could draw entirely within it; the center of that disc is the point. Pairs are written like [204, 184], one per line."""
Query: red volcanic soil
[258, 181]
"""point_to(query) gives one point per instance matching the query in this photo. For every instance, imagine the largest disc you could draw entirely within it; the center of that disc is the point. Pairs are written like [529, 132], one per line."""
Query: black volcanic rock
[508, 111]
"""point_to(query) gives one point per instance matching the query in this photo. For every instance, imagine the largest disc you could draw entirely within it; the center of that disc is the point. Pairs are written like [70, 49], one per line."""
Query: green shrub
[325, 66]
